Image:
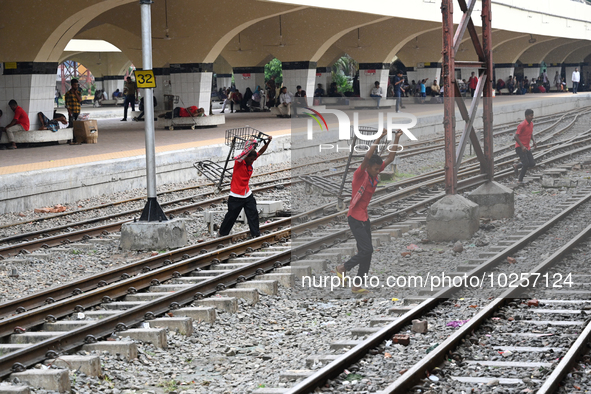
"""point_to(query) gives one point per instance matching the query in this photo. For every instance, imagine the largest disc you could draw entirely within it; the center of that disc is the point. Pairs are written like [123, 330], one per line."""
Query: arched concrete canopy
[425, 47]
[511, 50]
[381, 42]
[194, 39]
[559, 54]
[579, 54]
[111, 63]
[129, 43]
[331, 56]
[538, 52]
[306, 35]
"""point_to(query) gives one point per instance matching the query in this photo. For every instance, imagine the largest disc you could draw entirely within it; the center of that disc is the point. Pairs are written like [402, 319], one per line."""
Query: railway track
[40, 311]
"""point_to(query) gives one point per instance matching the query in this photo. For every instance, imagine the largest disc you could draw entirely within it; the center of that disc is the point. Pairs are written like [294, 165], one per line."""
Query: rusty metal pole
[487, 109]
[449, 118]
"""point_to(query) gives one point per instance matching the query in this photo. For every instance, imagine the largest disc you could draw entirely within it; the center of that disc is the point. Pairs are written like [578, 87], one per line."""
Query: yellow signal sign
[145, 79]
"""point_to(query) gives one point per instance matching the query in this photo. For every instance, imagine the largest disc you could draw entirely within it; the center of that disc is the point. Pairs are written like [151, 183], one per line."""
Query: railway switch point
[48, 379]
[153, 235]
[88, 365]
[496, 201]
[452, 218]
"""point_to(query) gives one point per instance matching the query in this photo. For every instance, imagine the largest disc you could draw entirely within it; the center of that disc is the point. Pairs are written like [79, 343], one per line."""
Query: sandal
[341, 276]
[360, 291]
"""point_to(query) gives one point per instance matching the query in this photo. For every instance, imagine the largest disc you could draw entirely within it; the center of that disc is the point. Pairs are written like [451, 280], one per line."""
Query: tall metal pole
[487, 110]
[449, 118]
[152, 211]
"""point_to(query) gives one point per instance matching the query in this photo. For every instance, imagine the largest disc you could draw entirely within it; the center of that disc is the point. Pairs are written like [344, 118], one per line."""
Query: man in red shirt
[241, 195]
[472, 83]
[20, 122]
[365, 181]
[523, 136]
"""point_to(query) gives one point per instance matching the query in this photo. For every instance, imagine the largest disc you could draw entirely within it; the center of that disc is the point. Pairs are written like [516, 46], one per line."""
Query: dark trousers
[128, 100]
[362, 233]
[575, 87]
[235, 205]
[72, 118]
[238, 104]
[527, 161]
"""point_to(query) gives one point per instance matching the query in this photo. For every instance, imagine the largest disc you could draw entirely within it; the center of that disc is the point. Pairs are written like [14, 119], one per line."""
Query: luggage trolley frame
[236, 139]
[176, 100]
[333, 187]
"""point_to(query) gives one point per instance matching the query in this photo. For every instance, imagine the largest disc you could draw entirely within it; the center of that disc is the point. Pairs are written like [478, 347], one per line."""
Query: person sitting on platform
[319, 92]
[20, 122]
[140, 117]
[240, 194]
[333, 90]
[285, 102]
[58, 122]
[235, 98]
[377, 93]
[500, 86]
[435, 89]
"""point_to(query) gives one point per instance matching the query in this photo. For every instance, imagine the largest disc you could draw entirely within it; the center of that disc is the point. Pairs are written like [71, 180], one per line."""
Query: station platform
[66, 173]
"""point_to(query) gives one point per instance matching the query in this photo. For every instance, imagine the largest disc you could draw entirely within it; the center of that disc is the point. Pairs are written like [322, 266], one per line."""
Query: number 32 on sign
[145, 79]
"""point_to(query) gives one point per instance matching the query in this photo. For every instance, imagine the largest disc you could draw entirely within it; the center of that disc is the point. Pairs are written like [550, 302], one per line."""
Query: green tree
[274, 68]
[343, 84]
[346, 65]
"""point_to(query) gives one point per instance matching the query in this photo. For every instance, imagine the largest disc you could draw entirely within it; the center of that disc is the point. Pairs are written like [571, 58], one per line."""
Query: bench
[372, 103]
[38, 136]
[193, 123]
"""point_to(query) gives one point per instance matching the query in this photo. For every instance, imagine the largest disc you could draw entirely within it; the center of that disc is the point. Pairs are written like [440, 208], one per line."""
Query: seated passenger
[319, 92]
[333, 91]
[140, 117]
[20, 122]
[500, 85]
[244, 104]
[58, 122]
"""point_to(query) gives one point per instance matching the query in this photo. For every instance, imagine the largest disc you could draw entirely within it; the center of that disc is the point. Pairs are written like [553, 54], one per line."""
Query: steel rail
[72, 339]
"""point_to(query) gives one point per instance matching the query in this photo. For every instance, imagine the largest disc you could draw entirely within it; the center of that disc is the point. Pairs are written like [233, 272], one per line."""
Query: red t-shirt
[21, 118]
[240, 176]
[473, 82]
[185, 114]
[359, 210]
[524, 132]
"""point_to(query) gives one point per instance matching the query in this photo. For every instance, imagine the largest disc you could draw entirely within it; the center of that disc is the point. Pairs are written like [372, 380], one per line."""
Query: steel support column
[451, 43]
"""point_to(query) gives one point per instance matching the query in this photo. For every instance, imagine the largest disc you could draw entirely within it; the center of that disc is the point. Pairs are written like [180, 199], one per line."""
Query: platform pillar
[192, 84]
[323, 76]
[369, 73]
[223, 80]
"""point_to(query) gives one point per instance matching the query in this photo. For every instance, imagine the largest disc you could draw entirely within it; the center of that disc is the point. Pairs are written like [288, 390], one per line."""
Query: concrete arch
[55, 43]
[558, 55]
[128, 43]
[579, 54]
[111, 63]
[511, 49]
[539, 52]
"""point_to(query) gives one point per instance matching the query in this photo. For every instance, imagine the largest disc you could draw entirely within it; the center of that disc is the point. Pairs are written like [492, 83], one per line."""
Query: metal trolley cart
[339, 189]
[236, 139]
[180, 122]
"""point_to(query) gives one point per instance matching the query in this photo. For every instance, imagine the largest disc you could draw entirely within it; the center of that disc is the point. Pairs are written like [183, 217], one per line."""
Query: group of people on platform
[541, 84]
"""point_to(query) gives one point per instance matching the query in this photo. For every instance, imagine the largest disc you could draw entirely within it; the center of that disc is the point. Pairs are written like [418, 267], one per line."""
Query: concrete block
[99, 314]
[33, 337]
[550, 181]
[89, 365]
[269, 208]
[143, 297]
[324, 359]
[169, 288]
[182, 325]
[383, 237]
[295, 374]
[268, 287]
[343, 250]
[452, 218]
[250, 295]
[37, 136]
[494, 200]
[284, 279]
[65, 325]
[317, 266]
[226, 304]
[6, 348]
[331, 257]
[153, 235]
[198, 314]
[393, 232]
[156, 336]
[121, 305]
[296, 271]
[420, 326]
[364, 331]
[48, 379]
[15, 390]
